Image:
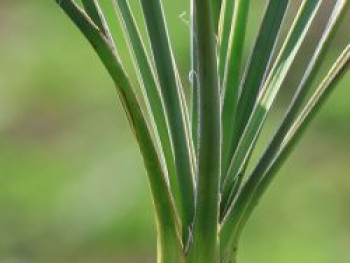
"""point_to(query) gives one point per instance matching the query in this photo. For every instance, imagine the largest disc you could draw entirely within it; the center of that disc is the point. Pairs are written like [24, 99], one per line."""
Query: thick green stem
[205, 242]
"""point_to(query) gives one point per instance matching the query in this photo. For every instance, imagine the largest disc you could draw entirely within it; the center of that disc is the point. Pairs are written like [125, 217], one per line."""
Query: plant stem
[205, 241]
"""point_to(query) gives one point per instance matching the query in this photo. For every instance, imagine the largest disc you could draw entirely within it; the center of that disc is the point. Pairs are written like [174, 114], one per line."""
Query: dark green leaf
[173, 97]
[269, 91]
[150, 88]
[234, 220]
[230, 84]
[258, 65]
[165, 212]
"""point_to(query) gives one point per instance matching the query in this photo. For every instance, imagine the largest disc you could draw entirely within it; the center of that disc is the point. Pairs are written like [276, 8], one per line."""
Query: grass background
[72, 185]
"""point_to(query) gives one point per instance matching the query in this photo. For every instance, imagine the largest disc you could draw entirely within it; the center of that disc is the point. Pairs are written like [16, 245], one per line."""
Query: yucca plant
[197, 156]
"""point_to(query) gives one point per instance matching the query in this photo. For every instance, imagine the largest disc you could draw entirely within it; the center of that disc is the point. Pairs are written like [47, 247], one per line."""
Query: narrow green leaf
[335, 74]
[225, 23]
[304, 87]
[269, 91]
[232, 223]
[165, 212]
[194, 79]
[150, 89]
[171, 91]
[230, 86]
[94, 11]
[258, 64]
[216, 6]
[309, 112]
[205, 243]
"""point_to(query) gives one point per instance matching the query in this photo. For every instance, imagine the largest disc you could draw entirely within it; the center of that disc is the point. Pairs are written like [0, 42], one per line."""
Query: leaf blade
[225, 22]
[93, 9]
[171, 91]
[269, 91]
[150, 89]
[165, 213]
[230, 85]
[309, 112]
[258, 64]
[232, 225]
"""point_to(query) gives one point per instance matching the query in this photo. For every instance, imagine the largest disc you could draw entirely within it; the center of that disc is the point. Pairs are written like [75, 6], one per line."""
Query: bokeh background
[72, 185]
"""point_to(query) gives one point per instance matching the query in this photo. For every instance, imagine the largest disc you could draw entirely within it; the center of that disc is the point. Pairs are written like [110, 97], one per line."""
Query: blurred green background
[72, 185]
